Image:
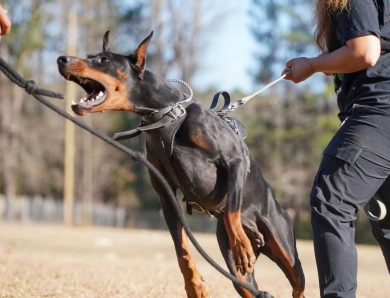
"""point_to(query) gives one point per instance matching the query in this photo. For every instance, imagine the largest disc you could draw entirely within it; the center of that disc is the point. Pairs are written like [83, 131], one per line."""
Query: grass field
[61, 262]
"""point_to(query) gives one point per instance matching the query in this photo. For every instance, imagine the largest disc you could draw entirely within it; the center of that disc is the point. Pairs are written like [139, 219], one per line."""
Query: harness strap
[171, 116]
[169, 168]
[193, 205]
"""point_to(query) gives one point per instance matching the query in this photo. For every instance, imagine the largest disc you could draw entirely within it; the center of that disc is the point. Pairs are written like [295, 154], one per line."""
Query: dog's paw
[243, 257]
[196, 289]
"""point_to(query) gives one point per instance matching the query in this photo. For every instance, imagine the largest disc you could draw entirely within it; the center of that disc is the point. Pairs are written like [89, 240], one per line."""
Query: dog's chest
[160, 140]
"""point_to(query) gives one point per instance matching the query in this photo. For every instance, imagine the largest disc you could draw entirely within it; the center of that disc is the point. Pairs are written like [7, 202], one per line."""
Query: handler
[354, 37]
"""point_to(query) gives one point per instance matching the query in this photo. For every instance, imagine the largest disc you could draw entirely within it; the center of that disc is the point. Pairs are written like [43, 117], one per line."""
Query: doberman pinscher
[199, 153]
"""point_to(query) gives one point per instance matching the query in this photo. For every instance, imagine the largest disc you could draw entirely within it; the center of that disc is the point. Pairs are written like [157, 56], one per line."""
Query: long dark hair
[324, 9]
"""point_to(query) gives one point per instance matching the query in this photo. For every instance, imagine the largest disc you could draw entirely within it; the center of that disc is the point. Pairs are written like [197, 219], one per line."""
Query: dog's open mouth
[96, 92]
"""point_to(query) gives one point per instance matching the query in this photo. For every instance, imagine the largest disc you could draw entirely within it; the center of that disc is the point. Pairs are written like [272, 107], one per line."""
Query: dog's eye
[103, 59]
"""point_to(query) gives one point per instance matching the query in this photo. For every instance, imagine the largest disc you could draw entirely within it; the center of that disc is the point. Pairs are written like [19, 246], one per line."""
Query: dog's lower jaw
[193, 281]
[78, 111]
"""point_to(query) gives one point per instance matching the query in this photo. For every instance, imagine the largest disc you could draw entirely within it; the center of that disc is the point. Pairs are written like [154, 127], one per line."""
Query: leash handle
[215, 101]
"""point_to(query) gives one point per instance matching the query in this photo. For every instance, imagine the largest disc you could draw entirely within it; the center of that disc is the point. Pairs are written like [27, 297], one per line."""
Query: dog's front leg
[193, 282]
[243, 255]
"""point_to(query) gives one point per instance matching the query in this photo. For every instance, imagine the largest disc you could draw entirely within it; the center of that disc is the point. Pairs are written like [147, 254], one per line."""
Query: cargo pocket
[338, 157]
[347, 151]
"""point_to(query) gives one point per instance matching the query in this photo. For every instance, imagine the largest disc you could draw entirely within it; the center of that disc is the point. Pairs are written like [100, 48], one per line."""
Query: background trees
[289, 125]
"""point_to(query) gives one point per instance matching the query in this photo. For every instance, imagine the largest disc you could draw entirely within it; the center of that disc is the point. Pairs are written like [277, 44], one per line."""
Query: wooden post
[87, 173]
[69, 158]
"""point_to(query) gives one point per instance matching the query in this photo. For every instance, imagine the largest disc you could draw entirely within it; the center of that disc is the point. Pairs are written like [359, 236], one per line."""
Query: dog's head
[106, 77]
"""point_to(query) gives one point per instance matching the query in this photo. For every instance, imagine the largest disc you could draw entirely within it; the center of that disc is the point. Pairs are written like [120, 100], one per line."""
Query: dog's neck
[154, 93]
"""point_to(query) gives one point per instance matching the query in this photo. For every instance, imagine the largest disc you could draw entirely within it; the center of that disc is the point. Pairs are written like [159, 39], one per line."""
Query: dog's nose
[64, 59]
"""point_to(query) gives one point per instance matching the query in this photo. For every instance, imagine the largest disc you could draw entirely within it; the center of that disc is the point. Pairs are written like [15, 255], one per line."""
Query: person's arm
[359, 53]
[5, 23]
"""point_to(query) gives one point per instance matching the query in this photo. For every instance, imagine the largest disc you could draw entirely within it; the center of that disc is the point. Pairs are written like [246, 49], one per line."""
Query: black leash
[29, 86]
[33, 90]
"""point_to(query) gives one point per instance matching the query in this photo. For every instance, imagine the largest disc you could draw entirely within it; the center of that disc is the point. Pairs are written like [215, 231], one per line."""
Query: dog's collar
[147, 112]
[158, 119]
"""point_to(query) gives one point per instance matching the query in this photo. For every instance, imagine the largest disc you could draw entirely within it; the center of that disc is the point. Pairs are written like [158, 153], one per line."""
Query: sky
[220, 68]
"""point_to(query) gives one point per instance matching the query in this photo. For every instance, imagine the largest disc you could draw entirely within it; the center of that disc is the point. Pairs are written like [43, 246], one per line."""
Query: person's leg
[381, 229]
[382, 235]
[347, 178]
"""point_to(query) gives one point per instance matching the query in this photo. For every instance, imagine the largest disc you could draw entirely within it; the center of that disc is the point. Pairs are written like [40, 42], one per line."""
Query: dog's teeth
[100, 93]
[73, 103]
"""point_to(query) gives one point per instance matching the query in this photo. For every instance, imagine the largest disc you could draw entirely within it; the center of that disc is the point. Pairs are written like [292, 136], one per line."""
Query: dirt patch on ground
[61, 262]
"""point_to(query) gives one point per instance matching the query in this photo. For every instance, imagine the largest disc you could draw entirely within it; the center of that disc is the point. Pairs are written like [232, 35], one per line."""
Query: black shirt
[370, 87]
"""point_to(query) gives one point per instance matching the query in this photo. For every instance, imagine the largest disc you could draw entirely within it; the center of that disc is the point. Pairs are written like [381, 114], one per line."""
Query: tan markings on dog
[155, 162]
[194, 285]
[239, 242]
[77, 68]
[121, 74]
[198, 139]
[278, 252]
[243, 292]
[141, 55]
[117, 93]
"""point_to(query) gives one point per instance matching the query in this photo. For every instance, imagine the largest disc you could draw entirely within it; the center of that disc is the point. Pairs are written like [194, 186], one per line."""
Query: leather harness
[160, 128]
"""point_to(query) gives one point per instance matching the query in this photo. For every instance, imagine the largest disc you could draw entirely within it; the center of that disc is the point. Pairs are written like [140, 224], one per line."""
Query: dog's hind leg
[280, 245]
[289, 263]
[193, 283]
[224, 245]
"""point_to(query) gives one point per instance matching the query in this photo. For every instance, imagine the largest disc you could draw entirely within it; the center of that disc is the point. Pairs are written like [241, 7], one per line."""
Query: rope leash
[32, 89]
[243, 100]
[30, 86]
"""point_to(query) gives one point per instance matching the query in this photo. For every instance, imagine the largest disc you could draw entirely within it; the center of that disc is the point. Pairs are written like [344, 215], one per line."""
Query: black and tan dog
[199, 153]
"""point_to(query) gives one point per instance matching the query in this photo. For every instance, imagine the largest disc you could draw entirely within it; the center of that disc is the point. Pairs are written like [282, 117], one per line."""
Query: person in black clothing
[354, 37]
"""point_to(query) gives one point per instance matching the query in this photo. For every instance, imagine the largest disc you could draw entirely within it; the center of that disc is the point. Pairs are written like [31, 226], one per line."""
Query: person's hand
[5, 22]
[300, 68]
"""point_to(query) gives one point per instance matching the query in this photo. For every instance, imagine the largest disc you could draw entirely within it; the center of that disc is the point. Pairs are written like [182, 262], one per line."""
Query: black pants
[354, 167]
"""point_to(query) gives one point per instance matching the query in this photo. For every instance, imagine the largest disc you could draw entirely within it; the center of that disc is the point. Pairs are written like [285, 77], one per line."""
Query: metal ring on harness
[381, 207]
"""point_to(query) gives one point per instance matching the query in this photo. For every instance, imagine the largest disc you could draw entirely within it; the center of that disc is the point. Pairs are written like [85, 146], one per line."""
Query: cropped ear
[138, 59]
[106, 46]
